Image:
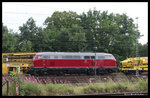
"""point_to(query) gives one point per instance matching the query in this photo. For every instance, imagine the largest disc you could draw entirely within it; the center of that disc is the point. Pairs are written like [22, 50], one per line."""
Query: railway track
[92, 79]
[73, 79]
[116, 94]
[85, 80]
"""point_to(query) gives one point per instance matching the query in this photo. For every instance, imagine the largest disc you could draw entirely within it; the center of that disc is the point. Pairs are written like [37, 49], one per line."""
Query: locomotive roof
[72, 53]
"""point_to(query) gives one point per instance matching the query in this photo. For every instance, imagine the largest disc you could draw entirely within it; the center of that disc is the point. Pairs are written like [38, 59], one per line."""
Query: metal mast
[95, 48]
[137, 72]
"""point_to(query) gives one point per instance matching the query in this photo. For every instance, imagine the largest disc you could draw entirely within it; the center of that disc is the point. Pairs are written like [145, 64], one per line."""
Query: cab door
[88, 62]
[100, 61]
[44, 63]
[46, 59]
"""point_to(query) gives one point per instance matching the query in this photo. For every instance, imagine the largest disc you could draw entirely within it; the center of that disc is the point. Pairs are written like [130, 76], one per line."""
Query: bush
[105, 87]
[36, 89]
[12, 88]
[59, 89]
[90, 89]
[141, 85]
[29, 88]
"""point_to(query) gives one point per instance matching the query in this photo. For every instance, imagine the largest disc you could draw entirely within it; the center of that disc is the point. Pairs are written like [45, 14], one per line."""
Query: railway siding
[106, 85]
[80, 79]
[115, 94]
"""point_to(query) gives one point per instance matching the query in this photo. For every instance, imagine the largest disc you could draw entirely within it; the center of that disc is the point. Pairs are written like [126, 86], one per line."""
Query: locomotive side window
[76, 57]
[92, 57]
[63, 57]
[46, 57]
[71, 57]
[89, 57]
[55, 57]
[108, 57]
[86, 57]
[66, 57]
[100, 57]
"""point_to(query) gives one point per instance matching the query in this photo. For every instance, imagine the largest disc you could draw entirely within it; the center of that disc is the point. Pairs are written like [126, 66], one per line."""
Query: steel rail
[115, 94]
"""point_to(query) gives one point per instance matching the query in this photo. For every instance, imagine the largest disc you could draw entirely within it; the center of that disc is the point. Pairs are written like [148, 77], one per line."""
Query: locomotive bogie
[73, 70]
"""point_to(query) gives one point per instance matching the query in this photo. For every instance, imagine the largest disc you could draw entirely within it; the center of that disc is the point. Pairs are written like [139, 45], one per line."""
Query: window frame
[101, 58]
[110, 57]
[87, 58]
[40, 56]
[47, 57]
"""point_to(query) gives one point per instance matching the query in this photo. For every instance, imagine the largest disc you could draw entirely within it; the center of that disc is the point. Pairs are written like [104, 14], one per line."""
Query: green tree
[62, 40]
[113, 33]
[26, 47]
[61, 27]
[9, 40]
[68, 31]
[77, 38]
[90, 22]
[143, 50]
[29, 32]
[60, 20]
[44, 40]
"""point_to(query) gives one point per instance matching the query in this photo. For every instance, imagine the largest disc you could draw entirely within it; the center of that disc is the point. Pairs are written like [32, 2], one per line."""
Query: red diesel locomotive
[60, 63]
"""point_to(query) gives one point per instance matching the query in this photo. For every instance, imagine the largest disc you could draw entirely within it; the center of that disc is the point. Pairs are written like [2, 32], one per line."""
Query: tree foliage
[143, 50]
[9, 40]
[68, 31]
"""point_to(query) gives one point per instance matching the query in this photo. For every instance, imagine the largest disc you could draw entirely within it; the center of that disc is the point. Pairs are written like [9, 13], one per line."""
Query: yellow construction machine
[133, 64]
[11, 62]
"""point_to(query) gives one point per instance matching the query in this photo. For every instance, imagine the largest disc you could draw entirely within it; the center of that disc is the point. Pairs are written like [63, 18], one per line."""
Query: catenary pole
[137, 72]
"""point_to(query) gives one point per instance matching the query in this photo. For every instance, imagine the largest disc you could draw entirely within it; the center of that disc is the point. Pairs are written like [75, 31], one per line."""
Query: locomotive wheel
[91, 72]
[34, 72]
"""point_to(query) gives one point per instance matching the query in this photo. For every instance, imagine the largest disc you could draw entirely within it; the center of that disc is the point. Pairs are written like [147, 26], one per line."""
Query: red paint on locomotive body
[62, 59]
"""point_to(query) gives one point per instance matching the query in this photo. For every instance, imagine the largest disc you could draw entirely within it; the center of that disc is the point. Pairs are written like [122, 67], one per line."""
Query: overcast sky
[14, 14]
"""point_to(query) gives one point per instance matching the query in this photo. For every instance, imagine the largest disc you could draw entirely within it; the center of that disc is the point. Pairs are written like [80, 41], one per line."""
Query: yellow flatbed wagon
[130, 65]
[14, 61]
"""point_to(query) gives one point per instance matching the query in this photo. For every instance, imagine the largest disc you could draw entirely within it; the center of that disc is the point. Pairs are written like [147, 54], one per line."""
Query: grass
[37, 89]
[29, 88]
[59, 89]
[109, 87]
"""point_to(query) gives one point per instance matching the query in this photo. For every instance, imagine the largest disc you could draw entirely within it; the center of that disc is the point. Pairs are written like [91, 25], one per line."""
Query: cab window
[108, 57]
[34, 57]
[40, 57]
[100, 57]
[46, 57]
[10, 68]
[67, 57]
[92, 57]
[76, 57]
[86, 57]
[55, 57]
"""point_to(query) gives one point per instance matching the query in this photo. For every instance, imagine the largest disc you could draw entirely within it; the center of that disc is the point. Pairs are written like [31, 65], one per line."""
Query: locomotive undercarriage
[133, 72]
[71, 71]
